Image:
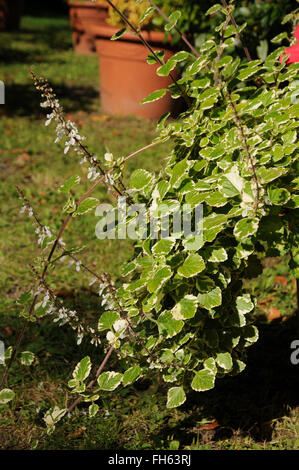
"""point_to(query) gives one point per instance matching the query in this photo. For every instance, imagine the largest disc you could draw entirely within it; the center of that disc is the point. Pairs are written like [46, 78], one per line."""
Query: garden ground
[256, 410]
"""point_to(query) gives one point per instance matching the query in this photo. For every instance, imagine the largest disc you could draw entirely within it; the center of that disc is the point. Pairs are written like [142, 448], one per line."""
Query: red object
[293, 51]
[83, 15]
[125, 76]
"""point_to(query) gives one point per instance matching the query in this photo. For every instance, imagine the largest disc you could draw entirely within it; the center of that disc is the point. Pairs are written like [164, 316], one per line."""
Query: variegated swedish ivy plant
[181, 308]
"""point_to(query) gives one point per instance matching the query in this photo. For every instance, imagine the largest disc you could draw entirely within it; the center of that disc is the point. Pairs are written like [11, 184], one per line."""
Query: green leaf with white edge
[69, 184]
[266, 175]
[203, 380]
[214, 9]
[118, 34]
[178, 172]
[217, 255]
[128, 269]
[237, 319]
[224, 360]
[141, 179]
[168, 324]
[193, 265]
[165, 69]
[82, 369]
[152, 58]
[27, 358]
[149, 11]
[107, 319]
[24, 298]
[196, 66]
[87, 205]
[53, 415]
[244, 304]
[109, 380]
[131, 375]
[214, 220]
[93, 409]
[210, 299]
[278, 196]
[6, 395]
[251, 333]
[159, 279]
[175, 397]
[163, 246]
[173, 19]
[193, 243]
[277, 39]
[185, 308]
[154, 96]
[246, 227]
[8, 353]
[210, 364]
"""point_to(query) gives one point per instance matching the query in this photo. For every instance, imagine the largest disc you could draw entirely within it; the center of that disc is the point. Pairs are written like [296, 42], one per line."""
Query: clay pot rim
[86, 5]
[106, 31]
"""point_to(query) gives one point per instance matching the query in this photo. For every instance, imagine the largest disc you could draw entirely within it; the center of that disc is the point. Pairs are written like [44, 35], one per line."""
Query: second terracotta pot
[83, 15]
[125, 76]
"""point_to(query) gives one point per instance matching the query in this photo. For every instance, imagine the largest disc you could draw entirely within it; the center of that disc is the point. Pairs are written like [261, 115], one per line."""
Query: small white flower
[78, 264]
[108, 157]
[111, 338]
[46, 299]
[79, 339]
[93, 280]
[120, 326]
[109, 179]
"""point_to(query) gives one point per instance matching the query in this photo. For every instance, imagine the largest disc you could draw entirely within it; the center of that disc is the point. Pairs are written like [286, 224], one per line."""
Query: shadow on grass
[23, 100]
[248, 403]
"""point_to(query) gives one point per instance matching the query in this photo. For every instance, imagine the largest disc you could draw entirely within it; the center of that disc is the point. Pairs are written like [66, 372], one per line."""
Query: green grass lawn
[257, 410]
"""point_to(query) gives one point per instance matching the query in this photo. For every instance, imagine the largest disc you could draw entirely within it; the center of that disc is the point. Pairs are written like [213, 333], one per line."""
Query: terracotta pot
[10, 14]
[125, 76]
[83, 15]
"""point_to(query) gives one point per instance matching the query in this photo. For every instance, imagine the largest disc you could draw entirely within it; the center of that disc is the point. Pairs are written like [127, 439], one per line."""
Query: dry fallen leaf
[264, 303]
[22, 159]
[273, 314]
[8, 330]
[281, 280]
[210, 426]
[63, 293]
[102, 118]
[77, 433]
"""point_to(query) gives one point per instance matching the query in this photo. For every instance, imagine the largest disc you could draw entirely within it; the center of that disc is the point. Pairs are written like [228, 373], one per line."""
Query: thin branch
[246, 146]
[80, 398]
[55, 244]
[183, 36]
[220, 51]
[148, 46]
[232, 19]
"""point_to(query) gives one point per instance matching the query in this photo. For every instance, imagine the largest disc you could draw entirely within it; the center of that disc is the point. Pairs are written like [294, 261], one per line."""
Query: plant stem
[76, 402]
[148, 46]
[60, 233]
[232, 19]
[184, 38]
